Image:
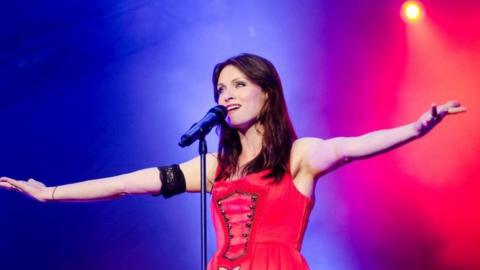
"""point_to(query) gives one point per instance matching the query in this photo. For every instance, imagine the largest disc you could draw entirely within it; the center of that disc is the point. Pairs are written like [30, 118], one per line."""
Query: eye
[219, 90]
[240, 84]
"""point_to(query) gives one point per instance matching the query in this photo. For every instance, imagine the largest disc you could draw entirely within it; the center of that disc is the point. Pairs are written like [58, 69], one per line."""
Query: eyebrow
[234, 80]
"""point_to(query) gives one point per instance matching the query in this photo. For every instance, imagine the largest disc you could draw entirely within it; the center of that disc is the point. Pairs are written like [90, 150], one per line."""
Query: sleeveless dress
[259, 224]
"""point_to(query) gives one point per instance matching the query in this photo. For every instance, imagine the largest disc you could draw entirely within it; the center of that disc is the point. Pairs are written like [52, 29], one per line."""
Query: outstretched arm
[138, 182]
[322, 156]
[145, 181]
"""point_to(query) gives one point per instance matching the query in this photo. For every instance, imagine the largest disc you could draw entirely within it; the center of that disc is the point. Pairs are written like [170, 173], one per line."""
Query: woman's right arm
[145, 181]
[137, 182]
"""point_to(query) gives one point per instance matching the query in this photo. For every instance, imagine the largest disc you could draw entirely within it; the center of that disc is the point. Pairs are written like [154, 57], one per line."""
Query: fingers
[8, 180]
[452, 103]
[11, 183]
[431, 118]
[24, 186]
[4, 178]
[6, 185]
[450, 107]
[457, 110]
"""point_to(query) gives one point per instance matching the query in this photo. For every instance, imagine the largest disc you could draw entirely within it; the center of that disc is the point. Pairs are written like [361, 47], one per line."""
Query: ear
[265, 93]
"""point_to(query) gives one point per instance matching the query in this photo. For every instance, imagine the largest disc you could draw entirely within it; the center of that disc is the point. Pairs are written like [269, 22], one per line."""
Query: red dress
[259, 224]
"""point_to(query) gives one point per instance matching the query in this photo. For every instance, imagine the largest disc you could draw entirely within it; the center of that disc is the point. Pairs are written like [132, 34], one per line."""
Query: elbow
[120, 188]
[344, 150]
[344, 158]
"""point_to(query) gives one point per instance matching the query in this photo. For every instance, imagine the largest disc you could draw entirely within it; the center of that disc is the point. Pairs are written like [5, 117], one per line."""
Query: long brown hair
[278, 135]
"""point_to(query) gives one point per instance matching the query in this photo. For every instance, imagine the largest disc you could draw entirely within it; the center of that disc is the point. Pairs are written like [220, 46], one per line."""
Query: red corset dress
[259, 224]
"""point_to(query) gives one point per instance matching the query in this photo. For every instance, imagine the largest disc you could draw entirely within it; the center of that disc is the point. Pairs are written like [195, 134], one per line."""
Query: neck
[251, 140]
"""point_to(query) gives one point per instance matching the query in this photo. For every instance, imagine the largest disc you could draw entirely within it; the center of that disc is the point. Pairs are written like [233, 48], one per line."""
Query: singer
[262, 178]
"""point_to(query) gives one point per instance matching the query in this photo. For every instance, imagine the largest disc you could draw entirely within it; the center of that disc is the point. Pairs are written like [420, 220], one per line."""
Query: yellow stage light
[412, 11]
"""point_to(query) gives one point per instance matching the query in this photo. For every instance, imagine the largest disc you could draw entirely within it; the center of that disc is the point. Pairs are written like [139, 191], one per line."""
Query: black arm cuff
[173, 181]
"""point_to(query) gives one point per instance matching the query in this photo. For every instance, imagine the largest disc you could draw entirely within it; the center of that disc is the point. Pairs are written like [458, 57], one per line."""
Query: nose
[228, 96]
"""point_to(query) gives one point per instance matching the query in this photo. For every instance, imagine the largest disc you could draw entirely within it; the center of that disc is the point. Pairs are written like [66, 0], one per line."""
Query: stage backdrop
[91, 89]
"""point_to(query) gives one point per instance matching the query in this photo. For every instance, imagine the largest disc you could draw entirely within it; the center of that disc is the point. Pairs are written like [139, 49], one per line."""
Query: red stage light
[412, 11]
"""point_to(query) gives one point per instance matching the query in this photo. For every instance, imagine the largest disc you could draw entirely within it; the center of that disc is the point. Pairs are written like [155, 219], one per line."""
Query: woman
[262, 179]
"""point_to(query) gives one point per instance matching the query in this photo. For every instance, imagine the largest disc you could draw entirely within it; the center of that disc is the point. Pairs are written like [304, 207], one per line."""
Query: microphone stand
[202, 150]
[199, 130]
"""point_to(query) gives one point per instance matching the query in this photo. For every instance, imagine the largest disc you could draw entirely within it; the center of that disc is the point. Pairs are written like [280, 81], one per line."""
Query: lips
[232, 107]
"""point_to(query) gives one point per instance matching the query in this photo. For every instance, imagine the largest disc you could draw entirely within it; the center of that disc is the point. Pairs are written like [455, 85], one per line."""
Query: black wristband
[173, 181]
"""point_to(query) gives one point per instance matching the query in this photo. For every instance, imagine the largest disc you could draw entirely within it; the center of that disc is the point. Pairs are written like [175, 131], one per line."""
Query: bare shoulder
[303, 177]
[305, 142]
[316, 157]
[302, 146]
[301, 149]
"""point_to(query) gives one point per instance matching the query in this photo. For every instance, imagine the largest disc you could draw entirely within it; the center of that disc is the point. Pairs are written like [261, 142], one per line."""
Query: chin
[234, 125]
[240, 125]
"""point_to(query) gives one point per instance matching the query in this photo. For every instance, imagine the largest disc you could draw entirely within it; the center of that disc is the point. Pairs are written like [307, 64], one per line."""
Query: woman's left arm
[322, 156]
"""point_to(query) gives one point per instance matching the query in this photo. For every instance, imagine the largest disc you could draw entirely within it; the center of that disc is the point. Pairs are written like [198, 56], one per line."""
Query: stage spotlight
[412, 11]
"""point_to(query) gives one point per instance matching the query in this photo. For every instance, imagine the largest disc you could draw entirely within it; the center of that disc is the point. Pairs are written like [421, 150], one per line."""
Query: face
[243, 98]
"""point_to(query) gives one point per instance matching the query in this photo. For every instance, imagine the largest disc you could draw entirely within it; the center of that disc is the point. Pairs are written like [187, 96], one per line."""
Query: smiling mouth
[233, 107]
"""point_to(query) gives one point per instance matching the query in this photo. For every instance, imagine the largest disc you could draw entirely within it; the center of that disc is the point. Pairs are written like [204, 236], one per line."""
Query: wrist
[48, 194]
[416, 129]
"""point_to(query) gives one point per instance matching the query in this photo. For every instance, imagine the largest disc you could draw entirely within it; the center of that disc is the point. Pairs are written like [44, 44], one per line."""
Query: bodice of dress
[250, 213]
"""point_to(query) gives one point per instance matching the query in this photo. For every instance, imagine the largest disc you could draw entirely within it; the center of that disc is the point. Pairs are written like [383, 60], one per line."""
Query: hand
[32, 188]
[431, 118]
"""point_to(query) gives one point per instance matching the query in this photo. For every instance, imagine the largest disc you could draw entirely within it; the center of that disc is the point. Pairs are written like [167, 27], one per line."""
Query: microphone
[213, 117]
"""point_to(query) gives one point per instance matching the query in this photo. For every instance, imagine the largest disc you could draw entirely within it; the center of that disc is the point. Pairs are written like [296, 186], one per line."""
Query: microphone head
[213, 117]
[220, 110]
